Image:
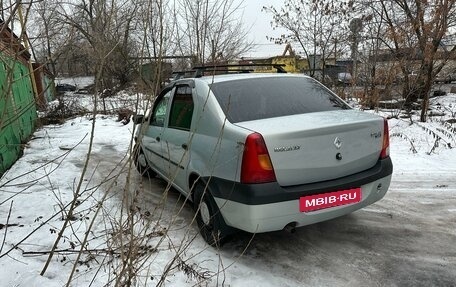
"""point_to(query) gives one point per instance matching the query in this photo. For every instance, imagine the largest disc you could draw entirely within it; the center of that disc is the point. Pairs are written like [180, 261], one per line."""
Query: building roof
[269, 50]
[11, 44]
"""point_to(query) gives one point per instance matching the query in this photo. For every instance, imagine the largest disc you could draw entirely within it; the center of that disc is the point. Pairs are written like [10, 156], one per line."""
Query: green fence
[17, 109]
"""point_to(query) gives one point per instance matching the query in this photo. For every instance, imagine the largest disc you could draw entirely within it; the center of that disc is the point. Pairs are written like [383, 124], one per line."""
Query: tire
[141, 163]
[210, 221]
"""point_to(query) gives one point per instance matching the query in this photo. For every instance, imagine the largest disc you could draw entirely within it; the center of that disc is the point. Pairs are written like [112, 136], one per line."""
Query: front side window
[159, 113]
[181, 109]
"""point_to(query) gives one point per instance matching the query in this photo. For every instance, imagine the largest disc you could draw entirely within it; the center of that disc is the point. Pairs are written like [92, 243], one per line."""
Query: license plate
[330, 199]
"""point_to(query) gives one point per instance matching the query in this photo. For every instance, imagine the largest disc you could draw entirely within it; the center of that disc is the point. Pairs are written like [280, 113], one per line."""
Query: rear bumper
[268, 207]
[275, 216]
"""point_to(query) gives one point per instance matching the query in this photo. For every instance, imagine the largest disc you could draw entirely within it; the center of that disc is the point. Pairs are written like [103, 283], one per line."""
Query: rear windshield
[261, 98]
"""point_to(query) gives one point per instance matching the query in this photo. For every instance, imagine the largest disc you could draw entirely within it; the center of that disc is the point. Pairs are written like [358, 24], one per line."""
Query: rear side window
[261, 98]
[181, 109]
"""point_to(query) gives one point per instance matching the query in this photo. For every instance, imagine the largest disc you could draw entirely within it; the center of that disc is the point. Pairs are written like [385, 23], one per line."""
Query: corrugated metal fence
[17, 108]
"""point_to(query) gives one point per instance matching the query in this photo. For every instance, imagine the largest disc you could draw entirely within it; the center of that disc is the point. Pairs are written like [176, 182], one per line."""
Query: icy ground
[406, 239]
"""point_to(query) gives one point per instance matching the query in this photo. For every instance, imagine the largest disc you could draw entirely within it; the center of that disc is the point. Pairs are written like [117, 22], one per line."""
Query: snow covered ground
[406, 239]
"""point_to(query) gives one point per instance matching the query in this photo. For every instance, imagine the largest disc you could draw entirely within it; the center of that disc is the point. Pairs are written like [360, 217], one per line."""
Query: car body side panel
[216, 145]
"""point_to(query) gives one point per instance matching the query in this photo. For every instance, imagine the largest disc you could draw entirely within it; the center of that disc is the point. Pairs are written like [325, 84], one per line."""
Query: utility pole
[355, 28]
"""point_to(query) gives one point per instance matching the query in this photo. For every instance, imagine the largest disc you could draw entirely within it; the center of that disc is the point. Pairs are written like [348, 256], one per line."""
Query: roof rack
[182, 74]
[242, 68]
[199, 71]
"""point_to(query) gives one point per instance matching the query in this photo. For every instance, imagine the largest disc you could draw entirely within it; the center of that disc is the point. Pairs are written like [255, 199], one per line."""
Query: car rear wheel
[141, 163]
[210, 221]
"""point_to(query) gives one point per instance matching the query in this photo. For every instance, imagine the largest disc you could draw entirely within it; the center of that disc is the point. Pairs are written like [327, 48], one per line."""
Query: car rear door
[176, 136]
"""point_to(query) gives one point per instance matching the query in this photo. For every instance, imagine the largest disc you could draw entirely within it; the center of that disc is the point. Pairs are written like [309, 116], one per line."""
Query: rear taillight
[386, 142]
[256, 163]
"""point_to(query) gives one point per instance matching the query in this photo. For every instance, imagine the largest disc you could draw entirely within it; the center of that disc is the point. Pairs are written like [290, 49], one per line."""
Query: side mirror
[138, 119]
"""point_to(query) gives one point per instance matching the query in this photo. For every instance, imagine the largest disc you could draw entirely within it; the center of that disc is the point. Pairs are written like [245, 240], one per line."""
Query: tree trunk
[426, 91]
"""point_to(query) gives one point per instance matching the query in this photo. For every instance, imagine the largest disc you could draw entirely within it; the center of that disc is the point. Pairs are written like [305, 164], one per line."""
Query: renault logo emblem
[337, 142]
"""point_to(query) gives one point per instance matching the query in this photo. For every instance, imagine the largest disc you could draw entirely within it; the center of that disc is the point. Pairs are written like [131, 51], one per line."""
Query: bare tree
[414, 33]
[71, 36]
[317, 26]
[156, 28]
[379, 75]
[210, 30]
[48, 36]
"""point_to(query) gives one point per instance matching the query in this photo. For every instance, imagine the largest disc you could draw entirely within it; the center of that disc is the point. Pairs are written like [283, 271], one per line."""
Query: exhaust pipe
[290, 227]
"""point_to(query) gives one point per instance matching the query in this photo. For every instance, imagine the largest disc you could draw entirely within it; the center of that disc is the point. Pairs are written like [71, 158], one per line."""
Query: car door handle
[185, 146]
[157, 138]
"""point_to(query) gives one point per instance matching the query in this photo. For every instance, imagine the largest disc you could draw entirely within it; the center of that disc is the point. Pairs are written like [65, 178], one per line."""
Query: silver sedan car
[263, 152]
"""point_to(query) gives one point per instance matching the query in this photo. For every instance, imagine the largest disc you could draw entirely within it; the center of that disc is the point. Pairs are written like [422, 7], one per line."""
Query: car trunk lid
[320, 146]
